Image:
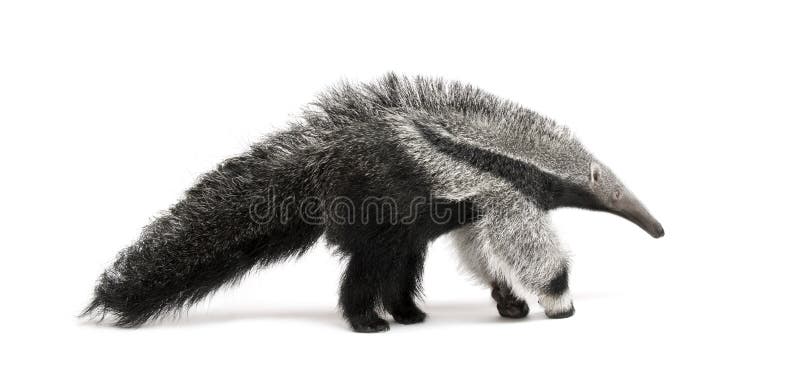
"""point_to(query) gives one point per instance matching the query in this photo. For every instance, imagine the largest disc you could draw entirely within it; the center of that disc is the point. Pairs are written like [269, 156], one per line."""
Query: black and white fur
[435, 149]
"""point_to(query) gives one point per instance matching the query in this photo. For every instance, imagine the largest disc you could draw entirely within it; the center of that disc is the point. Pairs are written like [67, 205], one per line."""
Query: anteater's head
[549, 165]
[599, 189]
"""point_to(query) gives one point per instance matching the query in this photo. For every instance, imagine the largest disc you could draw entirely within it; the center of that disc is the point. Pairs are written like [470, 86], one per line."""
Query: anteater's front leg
[508, 304]
[528, 253]
[555, 297]
[472, 251]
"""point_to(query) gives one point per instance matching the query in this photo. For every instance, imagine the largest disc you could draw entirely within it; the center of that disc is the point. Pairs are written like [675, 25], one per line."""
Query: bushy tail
[213, 236]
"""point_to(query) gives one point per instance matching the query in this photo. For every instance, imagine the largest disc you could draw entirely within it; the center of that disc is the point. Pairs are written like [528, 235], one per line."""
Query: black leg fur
[360, 292]
[385, 247]
[401, 287]
[386, 265]
[508, 304]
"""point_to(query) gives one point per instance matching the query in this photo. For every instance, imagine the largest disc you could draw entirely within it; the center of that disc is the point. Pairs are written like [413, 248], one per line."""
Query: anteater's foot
[409, 315]
[560, 314]
[369, 323]
[557, 306]
[515, 310]
[508, 305]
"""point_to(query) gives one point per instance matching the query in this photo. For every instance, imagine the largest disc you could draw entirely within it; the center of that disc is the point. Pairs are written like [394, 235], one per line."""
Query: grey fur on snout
[636, 213]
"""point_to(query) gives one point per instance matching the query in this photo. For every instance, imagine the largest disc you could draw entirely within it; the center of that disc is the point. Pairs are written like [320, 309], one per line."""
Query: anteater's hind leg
[386, 262]
[401, 286]
[360, 292]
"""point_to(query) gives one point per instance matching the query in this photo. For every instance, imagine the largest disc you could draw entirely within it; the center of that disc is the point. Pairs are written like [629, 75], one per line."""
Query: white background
[108, 111]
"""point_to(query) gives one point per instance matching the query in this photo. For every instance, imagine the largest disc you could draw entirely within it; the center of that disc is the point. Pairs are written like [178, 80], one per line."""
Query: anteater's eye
[617, 195]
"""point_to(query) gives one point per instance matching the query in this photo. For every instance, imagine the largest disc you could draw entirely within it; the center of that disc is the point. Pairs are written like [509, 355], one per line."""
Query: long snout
[633, 210]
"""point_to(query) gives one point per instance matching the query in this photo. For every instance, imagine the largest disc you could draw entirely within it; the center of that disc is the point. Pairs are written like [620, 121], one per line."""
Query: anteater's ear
[594, 173]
